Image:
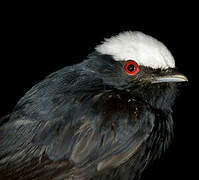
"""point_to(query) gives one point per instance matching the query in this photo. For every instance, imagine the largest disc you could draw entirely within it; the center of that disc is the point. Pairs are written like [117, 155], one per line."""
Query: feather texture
[88, 121]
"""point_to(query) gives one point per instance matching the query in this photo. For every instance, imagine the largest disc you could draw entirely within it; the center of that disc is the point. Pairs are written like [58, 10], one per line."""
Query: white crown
[137, 46]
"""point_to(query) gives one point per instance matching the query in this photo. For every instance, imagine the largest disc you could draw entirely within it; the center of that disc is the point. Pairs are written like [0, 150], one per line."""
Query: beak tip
[186, 79]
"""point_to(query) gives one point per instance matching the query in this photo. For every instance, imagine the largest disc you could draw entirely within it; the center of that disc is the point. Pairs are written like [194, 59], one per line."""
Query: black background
[37, 40]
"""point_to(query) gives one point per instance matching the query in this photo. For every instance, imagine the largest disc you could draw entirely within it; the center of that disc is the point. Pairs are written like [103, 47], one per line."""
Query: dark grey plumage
[89, 121]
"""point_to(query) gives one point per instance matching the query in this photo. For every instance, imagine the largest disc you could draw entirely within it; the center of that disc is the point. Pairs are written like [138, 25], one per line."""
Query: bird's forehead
[137, 46]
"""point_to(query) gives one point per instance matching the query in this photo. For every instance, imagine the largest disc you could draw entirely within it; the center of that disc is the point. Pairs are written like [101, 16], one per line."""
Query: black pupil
[131, 67]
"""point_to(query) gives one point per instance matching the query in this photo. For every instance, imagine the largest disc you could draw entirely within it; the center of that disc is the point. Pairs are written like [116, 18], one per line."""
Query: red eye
[131, 67]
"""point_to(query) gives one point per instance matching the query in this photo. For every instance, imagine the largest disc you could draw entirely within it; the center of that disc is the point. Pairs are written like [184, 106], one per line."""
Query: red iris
[131, 67]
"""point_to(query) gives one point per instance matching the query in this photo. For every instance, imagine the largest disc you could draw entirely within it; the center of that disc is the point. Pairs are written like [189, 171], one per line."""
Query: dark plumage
[89, 121]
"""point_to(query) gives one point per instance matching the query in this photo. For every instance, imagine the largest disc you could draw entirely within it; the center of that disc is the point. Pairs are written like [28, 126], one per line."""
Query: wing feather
[108, 131]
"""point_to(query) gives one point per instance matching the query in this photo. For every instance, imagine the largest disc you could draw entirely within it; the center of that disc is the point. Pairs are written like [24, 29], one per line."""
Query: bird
[107, 117]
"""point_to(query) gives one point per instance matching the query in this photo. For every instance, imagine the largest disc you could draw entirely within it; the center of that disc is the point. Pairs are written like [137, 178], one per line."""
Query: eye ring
[130, 67]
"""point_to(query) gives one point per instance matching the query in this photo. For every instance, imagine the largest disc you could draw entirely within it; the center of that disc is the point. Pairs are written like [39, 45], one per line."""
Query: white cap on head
[137, 46]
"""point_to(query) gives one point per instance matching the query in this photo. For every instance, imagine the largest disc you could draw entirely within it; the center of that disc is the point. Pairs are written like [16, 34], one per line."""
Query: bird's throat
[158, 96]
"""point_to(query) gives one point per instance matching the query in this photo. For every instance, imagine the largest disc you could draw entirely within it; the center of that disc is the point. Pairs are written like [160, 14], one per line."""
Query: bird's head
[134, 61]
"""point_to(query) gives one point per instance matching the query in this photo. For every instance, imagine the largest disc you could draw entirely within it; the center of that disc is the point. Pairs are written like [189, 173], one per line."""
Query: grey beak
[170, 78]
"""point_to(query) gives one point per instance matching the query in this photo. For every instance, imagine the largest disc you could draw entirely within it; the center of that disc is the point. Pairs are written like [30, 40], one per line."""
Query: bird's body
[91, 120]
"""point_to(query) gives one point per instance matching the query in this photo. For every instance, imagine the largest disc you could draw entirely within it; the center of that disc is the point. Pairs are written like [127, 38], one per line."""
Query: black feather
[88, 121]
